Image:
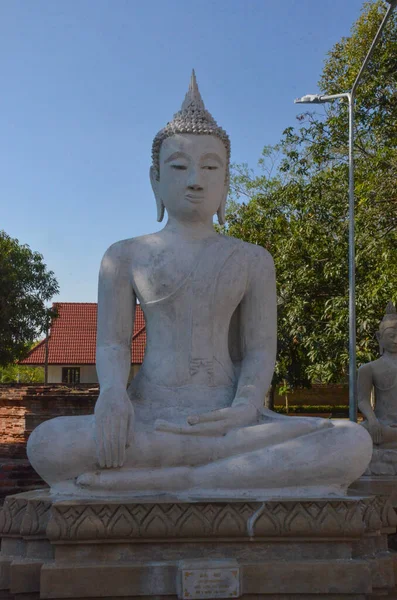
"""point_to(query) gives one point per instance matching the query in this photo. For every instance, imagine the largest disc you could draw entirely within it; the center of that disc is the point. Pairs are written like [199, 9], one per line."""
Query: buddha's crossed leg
[274, 452]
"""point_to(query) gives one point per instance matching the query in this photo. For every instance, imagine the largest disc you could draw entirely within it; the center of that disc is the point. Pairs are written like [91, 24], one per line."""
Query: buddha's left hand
[215, 422]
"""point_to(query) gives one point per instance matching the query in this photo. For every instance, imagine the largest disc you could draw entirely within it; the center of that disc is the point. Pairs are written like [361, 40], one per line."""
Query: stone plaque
[199, 579]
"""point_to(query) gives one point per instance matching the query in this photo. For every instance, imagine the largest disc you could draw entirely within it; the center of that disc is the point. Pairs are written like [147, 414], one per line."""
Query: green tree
[21, 374]
[296, 206]
[25, 286]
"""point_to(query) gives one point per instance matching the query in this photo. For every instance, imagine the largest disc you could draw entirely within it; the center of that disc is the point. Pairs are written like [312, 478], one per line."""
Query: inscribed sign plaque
[209, 579]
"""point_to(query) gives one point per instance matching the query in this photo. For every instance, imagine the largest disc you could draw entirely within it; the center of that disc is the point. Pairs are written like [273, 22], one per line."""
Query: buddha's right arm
[364, 389]
[116, 311]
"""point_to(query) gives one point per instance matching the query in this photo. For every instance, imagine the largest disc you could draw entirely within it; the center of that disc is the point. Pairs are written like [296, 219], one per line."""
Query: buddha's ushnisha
[192, 422]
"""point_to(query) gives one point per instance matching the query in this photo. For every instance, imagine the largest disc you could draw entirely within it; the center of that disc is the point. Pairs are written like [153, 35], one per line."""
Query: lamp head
[309, 99]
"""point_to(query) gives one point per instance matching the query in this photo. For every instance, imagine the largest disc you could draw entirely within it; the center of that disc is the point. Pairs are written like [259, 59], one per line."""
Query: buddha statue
[192, 422]
[380, 376]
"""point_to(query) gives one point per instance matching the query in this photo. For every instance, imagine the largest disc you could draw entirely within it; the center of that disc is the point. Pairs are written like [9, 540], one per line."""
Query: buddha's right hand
[114, 423]
[375, 430]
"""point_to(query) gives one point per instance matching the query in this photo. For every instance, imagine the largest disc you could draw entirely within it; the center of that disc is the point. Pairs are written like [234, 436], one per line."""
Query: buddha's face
[388, 339]
[192, 176]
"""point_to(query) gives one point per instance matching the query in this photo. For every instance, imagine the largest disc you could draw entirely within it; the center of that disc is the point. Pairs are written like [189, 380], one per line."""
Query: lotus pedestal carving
[284, 548]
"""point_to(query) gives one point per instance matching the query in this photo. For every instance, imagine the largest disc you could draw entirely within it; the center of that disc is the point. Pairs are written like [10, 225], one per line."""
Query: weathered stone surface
[311, 518]
[73, 520]
[325, 548]
[338, 577]
[378, 513]
[12, 513]
[309, 577]
[25, 575]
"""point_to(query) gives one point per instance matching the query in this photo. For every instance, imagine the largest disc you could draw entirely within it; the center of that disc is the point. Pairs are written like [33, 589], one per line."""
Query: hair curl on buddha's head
[192, 118]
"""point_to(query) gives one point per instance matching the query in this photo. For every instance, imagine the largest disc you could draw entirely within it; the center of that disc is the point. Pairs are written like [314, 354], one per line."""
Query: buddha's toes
[89, 480]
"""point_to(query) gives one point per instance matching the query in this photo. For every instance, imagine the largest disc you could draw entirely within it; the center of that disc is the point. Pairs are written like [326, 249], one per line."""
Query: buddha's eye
[209, 167]
[179, 167]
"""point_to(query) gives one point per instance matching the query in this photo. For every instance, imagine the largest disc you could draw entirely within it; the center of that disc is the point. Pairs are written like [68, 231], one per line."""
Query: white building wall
[88, 374]
[54, 374]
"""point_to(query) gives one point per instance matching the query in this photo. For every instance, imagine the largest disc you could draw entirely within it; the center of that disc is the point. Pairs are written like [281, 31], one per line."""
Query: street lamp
[350, 96]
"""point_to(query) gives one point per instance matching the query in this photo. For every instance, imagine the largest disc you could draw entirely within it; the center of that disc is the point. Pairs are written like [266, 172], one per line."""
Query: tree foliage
[21, 374]
[25, 287]
[297, 207]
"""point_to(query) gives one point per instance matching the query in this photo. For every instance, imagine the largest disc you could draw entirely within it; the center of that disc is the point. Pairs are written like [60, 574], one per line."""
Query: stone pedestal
[376, 485]
[380, 478]
[133, 548]
[379, 485]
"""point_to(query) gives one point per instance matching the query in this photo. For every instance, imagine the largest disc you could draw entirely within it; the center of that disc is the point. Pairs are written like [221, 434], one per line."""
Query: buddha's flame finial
[193, 99]
[390, 308]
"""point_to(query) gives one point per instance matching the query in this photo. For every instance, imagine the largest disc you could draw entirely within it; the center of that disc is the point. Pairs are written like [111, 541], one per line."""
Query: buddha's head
[387, 334]
[190, 163]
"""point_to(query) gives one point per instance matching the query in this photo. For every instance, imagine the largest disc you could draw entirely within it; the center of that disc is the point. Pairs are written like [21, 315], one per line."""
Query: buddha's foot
[89, 480]
[148, 480]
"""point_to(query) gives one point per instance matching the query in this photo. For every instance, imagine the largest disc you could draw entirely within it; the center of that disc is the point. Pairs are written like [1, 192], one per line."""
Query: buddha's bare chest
[161, 274]
[385, 379]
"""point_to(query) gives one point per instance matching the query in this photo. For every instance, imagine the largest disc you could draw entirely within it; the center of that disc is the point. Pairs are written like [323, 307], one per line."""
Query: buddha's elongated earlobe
[378, 334]
[221, 212]
[160, 209]
[155, 187]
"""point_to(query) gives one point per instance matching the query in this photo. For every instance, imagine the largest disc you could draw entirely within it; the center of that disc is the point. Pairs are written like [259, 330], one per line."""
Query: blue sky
[86, 84]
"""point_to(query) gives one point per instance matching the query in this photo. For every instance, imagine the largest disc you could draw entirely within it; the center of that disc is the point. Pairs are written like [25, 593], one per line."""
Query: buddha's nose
[193, 180]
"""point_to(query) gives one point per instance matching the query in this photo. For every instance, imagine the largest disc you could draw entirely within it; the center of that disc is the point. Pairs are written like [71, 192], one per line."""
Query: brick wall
[23, 407]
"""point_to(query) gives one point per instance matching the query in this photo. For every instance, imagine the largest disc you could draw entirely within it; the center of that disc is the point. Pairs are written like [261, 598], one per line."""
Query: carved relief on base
[28, 515]
[283, 534]
[25, 514]
[206, 520]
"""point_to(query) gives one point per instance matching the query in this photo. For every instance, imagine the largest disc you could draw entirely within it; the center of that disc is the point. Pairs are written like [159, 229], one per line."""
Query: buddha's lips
[195, 198]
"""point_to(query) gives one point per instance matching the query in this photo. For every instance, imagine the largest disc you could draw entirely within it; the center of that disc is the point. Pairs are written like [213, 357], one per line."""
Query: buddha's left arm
[258, 331]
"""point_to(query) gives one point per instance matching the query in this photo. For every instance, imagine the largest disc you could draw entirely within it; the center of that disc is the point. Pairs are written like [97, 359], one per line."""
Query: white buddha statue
[192, 422]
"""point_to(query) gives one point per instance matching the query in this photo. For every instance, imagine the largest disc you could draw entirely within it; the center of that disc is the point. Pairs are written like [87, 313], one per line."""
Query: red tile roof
[72, 336]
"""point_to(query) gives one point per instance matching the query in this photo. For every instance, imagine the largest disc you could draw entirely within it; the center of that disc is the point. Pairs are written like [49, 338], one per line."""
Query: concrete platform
[331, 548]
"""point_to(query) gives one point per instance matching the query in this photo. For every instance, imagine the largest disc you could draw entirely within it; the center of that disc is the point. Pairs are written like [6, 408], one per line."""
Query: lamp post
[350, 96]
